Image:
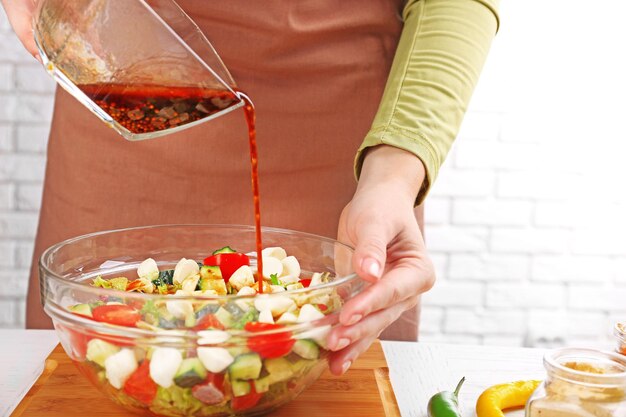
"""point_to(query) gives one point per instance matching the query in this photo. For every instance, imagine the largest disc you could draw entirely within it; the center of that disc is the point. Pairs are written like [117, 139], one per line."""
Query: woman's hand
[389, 251]
[20, 14]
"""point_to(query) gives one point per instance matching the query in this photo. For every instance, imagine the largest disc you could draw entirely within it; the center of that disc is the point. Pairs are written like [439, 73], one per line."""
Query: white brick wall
[525, 223]
[25, 111]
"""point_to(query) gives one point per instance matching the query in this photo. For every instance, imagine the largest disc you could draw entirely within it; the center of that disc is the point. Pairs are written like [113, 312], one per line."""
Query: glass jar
[581, 383]
[620, 334]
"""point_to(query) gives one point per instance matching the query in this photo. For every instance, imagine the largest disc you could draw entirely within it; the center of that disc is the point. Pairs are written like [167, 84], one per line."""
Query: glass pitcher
[141, 66]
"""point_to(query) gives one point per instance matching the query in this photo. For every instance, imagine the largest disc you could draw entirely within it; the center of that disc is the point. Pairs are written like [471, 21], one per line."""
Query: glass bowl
[195, 366]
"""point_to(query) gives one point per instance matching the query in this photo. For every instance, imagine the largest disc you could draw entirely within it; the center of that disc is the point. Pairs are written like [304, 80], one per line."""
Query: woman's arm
[442, 49]
[441, 52]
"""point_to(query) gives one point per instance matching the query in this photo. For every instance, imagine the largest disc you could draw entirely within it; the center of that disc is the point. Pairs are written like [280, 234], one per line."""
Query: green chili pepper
[445, 403]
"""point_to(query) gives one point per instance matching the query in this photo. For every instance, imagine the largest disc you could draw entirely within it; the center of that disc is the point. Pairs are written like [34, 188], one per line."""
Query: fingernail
[38, 58]
[354, 319]
[372, 267]
[345, 367]
[342, 343]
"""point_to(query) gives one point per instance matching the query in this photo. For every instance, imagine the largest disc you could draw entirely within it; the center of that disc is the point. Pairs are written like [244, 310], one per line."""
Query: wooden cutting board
[365, 390]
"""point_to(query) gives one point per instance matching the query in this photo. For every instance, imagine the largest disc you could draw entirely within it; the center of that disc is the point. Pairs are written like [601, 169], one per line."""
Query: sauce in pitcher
[151, 108]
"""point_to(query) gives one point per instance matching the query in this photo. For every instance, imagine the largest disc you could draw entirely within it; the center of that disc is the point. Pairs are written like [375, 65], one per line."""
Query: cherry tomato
[78, 340]
[322, 307]
[272, 345]
[120, 315]
[228, 262]
[305, 282]
[208, 321]
[246, 401]
[140, 386]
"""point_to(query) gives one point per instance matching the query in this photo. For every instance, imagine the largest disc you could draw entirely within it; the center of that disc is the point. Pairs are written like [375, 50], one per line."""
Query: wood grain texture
[64, 392]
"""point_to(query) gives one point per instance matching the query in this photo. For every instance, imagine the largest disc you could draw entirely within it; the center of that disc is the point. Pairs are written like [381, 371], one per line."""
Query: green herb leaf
[274, 278]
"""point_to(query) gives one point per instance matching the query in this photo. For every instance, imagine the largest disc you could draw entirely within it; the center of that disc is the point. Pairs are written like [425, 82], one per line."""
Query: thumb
[370, 252]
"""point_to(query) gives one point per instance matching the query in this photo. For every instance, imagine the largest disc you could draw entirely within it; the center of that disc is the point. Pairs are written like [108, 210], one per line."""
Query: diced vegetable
[212, 337]
[251, 315]
[140, 386]
[271, 345]
[306, 349]
[279, 369]
[164, 364]
[81, 309]
[215, 359]
[211, 391]
[208, 321]
[101, 283]
[121, 315]
[274, 252]
[271, 266]
[224, 317]
[276, 304]
[245, 402]
[190, 373]
[291, 266]
[225, 249]
[148, 269]
[228, 263]
[241, 277]
[180, 309]
[240, 388]
[246, 366]
[98, 351]
[119, 367]
[185, 268]
[309, 313]
[287, 318]
[119, 283]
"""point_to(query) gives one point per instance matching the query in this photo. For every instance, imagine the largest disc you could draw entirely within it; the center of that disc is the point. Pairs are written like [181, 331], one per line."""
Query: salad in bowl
[178, 321]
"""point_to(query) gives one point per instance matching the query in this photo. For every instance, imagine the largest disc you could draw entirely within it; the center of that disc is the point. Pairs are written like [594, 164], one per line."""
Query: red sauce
[151, 108]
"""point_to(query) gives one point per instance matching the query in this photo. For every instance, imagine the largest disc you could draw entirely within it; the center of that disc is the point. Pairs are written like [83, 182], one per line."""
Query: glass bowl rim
[89, 323]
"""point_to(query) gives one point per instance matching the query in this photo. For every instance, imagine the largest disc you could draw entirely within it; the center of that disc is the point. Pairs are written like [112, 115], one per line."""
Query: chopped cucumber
[262, 384]
[246, 366]
[210, 272]
[225, 249]
[306, 348]
[165, 278]
[224, 317]
[237, 350]
[82, 309]
[98, 351]
[279, 369]
[240, 388]
[234, 309]
[251, 315]
[190, 373]
[301, 366]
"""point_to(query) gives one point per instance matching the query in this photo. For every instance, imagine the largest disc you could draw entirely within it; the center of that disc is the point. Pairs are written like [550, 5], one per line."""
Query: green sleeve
[442, 49]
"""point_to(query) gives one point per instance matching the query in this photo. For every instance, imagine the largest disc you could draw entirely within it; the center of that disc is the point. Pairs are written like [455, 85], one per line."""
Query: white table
[417, 370]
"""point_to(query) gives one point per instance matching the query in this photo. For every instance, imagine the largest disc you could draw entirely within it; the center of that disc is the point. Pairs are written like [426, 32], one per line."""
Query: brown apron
[315, 69]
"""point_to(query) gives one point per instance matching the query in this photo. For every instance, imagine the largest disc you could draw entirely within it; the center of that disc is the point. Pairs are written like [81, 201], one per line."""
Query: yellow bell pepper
[500, 397]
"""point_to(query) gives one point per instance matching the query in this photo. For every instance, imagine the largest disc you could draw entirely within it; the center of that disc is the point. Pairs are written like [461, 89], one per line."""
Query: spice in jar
[581, 383]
